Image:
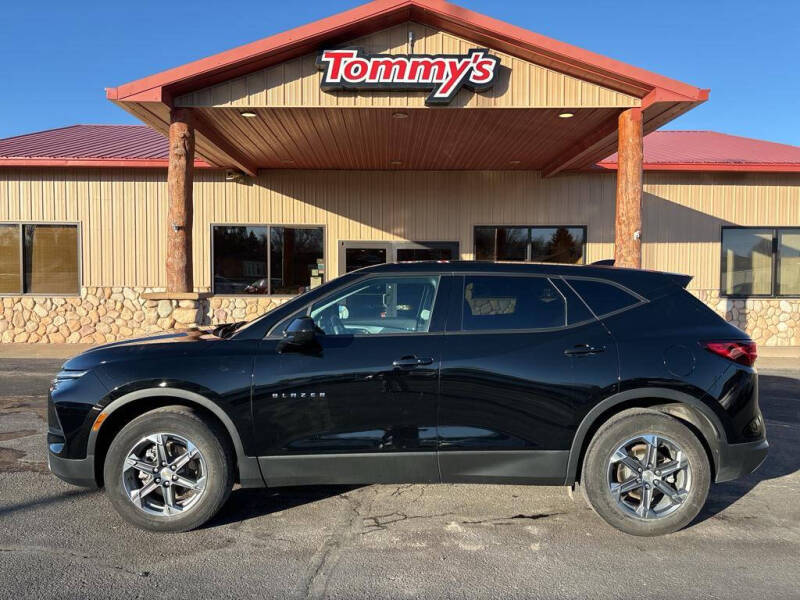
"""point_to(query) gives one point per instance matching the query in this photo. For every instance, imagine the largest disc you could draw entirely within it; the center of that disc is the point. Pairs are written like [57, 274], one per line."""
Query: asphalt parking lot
[408, 541]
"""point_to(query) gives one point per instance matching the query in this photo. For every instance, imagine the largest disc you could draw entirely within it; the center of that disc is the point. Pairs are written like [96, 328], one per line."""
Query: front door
[361, 405]
[516, 377]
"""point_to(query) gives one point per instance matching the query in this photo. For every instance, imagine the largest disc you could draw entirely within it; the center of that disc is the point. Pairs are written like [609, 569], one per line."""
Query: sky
[57, 56]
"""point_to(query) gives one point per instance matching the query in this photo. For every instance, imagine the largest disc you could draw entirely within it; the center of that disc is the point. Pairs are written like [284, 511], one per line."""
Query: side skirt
[346, 469]
[541, 467]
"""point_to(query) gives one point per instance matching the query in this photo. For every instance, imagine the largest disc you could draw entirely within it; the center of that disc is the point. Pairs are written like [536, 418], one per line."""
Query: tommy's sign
[444, 74]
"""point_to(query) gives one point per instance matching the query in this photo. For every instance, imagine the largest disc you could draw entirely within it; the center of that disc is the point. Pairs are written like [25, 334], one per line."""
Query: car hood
[133, 348]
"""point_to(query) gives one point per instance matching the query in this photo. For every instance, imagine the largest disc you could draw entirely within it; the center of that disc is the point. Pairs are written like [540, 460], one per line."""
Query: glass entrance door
[356, 255]
[405, 251]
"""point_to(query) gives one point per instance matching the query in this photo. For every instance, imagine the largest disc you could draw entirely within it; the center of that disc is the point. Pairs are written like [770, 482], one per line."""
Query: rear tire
[169, 470]
[646, 473]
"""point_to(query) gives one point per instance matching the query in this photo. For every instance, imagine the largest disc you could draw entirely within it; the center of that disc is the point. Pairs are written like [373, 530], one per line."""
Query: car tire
[648, 502]
[208, 475]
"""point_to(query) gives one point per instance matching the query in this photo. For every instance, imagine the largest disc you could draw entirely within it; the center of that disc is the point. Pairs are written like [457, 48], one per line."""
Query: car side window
[492, 303]
[379, 305]
[602, 297]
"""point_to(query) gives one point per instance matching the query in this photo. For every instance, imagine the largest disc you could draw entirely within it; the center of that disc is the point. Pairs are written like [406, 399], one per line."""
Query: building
[447, 134]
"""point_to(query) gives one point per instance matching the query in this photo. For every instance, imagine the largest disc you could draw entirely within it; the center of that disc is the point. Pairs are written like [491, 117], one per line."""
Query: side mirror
[300, 332]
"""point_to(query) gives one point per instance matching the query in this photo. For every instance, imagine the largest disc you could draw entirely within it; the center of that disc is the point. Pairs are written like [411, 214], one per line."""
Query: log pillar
[180, 177]
[628, 217]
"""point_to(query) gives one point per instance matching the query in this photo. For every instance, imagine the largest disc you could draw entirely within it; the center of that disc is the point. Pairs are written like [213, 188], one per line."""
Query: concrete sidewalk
[770, 359]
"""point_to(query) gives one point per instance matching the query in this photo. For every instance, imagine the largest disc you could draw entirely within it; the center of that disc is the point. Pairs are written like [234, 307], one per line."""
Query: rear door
[519, 368]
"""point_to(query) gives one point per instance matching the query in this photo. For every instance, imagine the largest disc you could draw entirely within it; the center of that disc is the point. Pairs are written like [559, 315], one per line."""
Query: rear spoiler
[680, 279]
[676, 278]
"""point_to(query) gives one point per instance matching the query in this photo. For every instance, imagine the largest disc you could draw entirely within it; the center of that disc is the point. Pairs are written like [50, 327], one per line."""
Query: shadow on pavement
[11, 509]
[779, 398]
[248, 503]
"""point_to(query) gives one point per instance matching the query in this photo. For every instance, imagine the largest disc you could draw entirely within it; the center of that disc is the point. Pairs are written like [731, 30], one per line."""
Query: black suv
[426, 372]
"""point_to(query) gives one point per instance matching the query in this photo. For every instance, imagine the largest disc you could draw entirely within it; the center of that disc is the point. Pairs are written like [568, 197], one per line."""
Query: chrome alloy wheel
[649, 476]
[164, 474]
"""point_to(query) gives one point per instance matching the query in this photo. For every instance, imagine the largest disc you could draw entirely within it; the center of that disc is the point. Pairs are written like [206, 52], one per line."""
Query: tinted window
[789, 262]
[357, 258]
[240, 260]
[557, 244]
[601, 297]
[747, 261]
[39, 259]
[51, 259]
[428, 251]
[10, 249]
[295, 256]
[511, 303]
[379, 305]
[577, 312]
[267, 260]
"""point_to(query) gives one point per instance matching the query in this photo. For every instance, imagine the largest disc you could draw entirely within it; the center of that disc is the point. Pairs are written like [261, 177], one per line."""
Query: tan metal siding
[122, 214]
[296, 82]
[423, 206]
[684, 212]
[123, 211]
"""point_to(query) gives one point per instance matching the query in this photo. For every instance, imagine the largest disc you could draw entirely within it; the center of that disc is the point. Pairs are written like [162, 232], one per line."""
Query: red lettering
[482, 70]
[335, 59]
[458, 68]
[387, 70]
[356, 70]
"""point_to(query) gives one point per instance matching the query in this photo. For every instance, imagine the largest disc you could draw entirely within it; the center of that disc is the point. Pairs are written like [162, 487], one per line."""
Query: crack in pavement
[325, 561]
[382, 522]
[505, 520]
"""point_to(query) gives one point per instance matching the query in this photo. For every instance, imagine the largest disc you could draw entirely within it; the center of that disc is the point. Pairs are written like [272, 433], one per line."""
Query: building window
[554, 244]
[267, 260]
[39, 259]
[760, 261]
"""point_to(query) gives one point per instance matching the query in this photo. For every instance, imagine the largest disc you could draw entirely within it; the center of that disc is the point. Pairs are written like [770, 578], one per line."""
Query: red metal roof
[140, 146]
[713, 151]
[87, 145]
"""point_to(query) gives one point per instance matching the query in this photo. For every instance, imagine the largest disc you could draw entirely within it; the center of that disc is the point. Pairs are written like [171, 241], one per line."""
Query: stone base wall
[110, 314]
[769, 321]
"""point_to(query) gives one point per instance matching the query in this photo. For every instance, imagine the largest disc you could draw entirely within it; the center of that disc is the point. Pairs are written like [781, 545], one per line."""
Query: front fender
[249, 472]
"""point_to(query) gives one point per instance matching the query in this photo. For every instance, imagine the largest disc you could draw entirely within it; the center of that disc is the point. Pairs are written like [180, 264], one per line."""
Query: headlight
[67, 375]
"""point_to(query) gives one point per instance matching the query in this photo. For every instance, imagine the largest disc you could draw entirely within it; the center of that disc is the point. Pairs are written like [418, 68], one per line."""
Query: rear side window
[602, 297]
[492, 303]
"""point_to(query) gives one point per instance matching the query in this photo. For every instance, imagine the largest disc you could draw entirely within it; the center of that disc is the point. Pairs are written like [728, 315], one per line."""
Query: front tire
[646, 473]
[168, 470]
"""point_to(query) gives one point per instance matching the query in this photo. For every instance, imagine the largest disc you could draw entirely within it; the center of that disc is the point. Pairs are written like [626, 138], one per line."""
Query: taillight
[739, 351]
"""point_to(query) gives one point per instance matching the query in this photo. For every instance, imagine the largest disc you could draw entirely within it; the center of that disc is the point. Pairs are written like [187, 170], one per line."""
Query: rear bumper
[77, 471]
[738, 460]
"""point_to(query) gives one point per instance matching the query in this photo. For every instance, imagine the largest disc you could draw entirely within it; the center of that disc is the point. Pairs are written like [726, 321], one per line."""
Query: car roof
[643, 282]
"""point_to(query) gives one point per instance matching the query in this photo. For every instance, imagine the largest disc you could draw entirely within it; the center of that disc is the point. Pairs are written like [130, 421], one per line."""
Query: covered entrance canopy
[550, 107]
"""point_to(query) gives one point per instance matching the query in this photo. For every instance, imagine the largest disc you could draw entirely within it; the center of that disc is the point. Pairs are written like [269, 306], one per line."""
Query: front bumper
[738, 460]
[77, 471]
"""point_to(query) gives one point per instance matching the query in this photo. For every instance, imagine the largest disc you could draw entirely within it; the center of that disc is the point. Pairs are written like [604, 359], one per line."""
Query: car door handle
[409, 362]
[584, 350]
